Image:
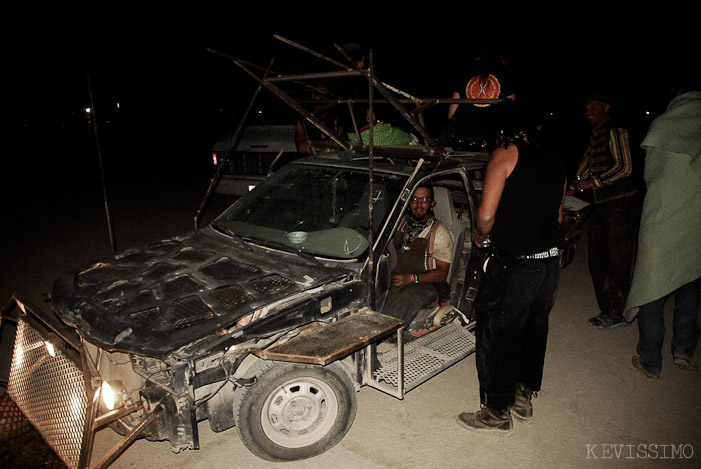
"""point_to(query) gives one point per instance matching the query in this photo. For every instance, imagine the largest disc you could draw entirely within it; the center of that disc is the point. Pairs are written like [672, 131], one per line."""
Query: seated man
[424, 252]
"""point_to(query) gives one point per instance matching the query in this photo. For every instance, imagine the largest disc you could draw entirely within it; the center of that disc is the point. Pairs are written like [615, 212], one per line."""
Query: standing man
[521, 209]
[606, 170]
[669, 255]
[424, 252]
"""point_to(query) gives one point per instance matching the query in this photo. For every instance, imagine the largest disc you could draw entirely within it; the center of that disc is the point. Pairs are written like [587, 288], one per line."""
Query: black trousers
[613, 237]
[512, 312]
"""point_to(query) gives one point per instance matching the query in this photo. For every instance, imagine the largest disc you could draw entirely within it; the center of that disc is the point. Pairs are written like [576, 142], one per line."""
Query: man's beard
[423, 218]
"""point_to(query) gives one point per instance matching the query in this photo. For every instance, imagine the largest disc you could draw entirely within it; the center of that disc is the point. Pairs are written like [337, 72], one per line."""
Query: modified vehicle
[270, 319]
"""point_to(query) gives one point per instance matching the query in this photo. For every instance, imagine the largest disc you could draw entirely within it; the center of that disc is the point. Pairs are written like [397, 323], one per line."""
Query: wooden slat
[333, 341]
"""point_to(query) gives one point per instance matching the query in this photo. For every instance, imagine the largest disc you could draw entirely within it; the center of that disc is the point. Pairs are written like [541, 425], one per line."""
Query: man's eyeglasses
[423, 200]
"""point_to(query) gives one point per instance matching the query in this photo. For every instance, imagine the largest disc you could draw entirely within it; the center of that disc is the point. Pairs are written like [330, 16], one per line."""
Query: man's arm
[439, 274]
[561, 213]
[619, 146]
[499, 167]
[623, 160]
[301, 138]
[452, 107]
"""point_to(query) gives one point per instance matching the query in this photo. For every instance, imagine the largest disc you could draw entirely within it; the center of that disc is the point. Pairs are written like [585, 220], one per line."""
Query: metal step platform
[423, 358]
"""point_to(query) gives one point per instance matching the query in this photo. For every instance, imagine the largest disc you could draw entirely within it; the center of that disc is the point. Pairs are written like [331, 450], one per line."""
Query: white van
[259, 152]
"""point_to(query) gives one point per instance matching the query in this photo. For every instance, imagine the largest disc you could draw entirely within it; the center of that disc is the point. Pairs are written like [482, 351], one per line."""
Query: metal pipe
[221, 165]
[371, 154]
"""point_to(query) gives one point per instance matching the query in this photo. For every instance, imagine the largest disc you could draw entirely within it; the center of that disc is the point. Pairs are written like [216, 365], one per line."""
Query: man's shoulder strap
[430, 244]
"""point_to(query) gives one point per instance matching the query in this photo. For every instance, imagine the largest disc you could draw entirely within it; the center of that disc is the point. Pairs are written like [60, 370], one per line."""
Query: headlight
[113, 394]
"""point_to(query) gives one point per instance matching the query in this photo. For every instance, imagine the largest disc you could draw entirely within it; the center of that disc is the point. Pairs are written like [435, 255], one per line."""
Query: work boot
[488, 420]
[686, 363]
[522, 408]
[637, 364]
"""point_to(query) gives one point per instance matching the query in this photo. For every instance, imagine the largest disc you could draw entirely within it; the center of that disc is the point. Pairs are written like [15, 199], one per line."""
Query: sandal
[603, 321]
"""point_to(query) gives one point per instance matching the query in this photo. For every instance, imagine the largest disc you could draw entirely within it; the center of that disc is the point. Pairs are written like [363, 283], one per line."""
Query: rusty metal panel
[334, 341]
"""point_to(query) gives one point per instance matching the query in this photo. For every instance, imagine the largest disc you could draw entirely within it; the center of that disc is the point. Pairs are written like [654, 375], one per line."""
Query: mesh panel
[189, 311]
[50, 391]
[429, 355]
[143, 319]
[232, 296]
[158, 271]
[272, 283]
[22, 446]
[226, 269]
[181, 284]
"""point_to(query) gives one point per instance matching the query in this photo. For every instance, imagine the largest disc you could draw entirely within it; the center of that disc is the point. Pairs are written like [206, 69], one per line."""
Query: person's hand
[401, 280]
[583, 184]
[478, 237]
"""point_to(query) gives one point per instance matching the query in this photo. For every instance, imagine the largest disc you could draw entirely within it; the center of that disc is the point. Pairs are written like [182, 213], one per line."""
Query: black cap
[597, 95]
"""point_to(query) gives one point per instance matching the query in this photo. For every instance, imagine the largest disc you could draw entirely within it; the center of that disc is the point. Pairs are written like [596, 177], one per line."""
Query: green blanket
[669, 244]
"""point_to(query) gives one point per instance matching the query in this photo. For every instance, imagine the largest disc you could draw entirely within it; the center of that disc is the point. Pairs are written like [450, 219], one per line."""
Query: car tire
[294, 411]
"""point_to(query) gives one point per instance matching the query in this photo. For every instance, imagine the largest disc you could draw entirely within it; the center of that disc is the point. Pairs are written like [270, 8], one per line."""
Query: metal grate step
[427, 356]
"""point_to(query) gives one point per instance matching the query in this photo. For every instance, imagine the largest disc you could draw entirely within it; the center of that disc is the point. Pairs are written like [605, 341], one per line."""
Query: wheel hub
[299, 412]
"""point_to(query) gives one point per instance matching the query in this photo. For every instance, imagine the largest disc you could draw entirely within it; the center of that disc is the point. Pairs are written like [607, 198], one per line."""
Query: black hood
[156, 299]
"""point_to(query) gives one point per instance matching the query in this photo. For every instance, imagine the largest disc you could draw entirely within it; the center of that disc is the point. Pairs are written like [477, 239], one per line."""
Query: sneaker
[639, 366]
[603, 321]
[488, 420]
[522, 408]
[686, 363]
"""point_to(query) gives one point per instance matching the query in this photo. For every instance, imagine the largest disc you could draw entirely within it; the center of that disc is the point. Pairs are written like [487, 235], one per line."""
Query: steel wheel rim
[300, 412]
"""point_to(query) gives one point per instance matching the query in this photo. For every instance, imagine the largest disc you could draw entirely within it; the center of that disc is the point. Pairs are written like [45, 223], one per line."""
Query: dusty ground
[595, 410]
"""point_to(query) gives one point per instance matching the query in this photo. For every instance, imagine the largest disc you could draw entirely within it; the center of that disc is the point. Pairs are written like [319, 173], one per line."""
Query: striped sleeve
[623, 161]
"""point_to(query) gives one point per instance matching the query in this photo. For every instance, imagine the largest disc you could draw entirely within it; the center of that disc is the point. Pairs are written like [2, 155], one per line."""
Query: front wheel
[294, 411]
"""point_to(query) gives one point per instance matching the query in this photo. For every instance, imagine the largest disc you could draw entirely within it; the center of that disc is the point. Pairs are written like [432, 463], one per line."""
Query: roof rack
[430, 148]
[400, 100]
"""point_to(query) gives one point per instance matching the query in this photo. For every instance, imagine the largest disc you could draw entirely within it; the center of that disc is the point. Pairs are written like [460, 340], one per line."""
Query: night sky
[175, 98]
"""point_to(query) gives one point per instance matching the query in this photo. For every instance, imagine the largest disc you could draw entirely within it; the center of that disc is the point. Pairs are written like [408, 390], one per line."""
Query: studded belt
[553, 252]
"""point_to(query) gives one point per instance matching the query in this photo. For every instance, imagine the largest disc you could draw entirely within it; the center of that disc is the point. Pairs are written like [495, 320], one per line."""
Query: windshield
[319, 210]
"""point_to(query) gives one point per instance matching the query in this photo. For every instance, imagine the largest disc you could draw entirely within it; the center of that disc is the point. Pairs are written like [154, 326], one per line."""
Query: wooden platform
[329, 342]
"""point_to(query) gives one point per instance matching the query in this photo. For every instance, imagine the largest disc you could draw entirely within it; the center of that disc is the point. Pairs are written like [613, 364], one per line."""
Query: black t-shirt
[527, 218]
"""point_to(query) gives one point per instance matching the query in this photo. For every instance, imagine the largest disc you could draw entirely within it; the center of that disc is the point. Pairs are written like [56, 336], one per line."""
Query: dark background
[176, 98]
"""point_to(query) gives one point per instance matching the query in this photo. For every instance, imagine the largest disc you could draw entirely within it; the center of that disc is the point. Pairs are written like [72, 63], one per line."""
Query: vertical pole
[371, 121]
[102, 169]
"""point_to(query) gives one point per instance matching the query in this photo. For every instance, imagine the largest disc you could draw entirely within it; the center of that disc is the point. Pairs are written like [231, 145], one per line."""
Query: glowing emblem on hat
[483, 89]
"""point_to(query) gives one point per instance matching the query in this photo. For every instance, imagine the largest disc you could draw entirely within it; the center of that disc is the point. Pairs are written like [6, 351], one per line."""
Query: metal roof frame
[273, 81]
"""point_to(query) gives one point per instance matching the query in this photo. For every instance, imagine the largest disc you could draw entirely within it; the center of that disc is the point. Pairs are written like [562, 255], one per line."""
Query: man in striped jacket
[606, 170]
